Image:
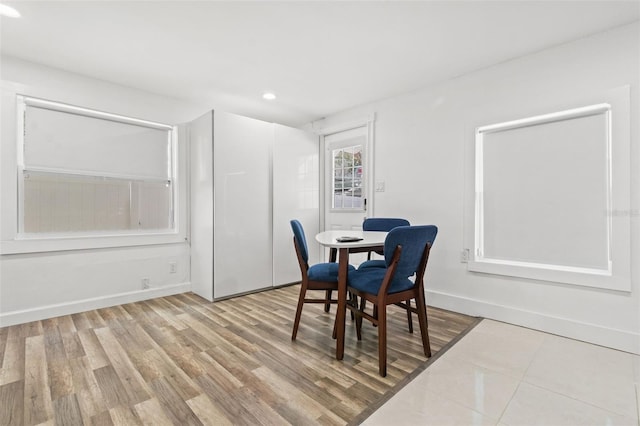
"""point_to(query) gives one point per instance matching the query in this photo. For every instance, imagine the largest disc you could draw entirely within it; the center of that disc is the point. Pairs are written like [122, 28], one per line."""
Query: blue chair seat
[369, 280]
[375, 263]
[325, 272]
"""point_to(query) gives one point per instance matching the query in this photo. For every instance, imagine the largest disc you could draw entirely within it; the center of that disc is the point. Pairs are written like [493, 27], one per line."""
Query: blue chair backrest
[383, 223]
[413, 240]
[298, 232]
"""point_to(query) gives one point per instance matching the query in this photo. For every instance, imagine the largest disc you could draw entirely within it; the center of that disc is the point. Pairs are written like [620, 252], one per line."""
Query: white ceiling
[320, 57]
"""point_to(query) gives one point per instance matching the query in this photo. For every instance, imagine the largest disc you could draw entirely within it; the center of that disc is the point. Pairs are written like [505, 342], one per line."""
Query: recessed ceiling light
[269, 96]
[8, 11]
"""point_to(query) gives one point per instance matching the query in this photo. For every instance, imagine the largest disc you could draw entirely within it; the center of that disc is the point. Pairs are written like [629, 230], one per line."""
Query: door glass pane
[347, 178]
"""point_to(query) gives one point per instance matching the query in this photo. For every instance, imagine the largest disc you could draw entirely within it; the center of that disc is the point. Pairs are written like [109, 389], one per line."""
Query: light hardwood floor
[182, 360]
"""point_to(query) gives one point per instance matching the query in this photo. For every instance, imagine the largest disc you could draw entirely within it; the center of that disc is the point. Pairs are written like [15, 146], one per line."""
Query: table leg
[342, 301]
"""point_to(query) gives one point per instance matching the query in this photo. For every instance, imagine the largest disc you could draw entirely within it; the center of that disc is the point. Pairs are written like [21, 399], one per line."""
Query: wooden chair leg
[296, 322]
[354, 298]
[409, 319]
[363, 304]
[334, 333]
[422, 320]
[327, 305]
[375, 314]
[333, 255]
[382, 340]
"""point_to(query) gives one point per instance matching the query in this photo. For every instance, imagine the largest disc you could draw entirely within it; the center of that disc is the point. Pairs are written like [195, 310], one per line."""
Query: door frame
[368, 163]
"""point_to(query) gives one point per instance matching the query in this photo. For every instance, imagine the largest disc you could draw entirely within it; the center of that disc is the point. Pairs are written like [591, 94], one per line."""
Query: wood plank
[169, 312]
[211, 314]
[145, 315]
[80, 321]
[151, 413]
[144, 363]
[4, 337]
[12, 403]
[208, 412]
[73, 345]
[136, 389]
[125, 333]
[111, 387]
[288, 392]
[101, 419]
[66, 325]
[93, 349]
[37, 397]
[173, 405]
[124, 416]
[237, 363]
[227, 402]
[29, 329]
[176, 377]
[260, 407]
[108, 315]
[60, 378]
[223, 377]
[67, 411]
[14, 355]
[95, 319]
[88, 393]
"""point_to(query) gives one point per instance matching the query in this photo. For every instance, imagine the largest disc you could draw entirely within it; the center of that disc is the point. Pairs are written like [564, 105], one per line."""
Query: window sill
[595, 278]
[38, 244]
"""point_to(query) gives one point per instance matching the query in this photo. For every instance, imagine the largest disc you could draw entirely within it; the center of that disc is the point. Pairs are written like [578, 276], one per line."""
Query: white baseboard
[604, 336]
[52, 311]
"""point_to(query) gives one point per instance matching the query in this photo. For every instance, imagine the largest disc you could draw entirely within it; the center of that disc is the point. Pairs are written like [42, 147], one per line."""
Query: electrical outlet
[380, 186]
[145, 283]
[173, 267]
[464, 256]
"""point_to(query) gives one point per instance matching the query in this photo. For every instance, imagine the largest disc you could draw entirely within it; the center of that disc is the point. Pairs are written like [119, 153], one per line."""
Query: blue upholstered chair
[406, 252]
[385, 224]
[322, 276]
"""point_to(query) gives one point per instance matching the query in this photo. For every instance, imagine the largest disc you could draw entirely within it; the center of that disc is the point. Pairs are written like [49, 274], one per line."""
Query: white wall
[424, 154]
[47, 284]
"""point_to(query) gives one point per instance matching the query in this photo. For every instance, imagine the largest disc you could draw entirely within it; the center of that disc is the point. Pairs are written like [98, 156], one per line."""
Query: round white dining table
[359, 241]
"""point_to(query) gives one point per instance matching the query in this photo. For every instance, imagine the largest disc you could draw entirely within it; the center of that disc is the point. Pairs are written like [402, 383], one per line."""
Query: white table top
[369, 238]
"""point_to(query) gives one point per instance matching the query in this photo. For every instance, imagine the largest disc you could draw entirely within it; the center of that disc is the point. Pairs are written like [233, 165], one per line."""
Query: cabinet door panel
[201, 182]
[242, 204]
[295, 196]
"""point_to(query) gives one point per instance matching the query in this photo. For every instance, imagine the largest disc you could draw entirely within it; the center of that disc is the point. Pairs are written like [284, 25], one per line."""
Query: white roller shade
[96, 144]
[546, 190]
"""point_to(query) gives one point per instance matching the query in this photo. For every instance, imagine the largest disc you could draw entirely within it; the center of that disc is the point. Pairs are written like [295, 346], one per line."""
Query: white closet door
[296, 195]
[201, 195]
[242, 204]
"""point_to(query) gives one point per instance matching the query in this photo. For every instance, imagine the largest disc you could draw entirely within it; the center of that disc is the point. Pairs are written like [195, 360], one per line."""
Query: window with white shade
[546, 191]
[533, 207]
[85, 172]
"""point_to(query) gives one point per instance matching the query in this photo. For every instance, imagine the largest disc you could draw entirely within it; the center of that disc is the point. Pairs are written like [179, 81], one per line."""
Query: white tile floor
[504, 375]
